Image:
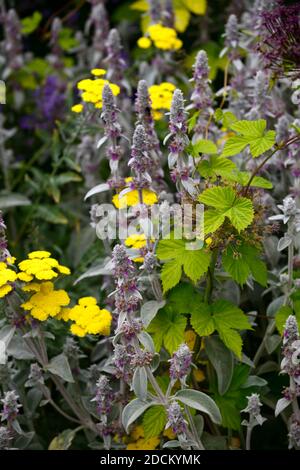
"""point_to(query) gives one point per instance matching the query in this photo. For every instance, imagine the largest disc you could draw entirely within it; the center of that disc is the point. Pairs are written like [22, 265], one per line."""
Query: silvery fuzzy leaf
[146, 341]
[254, 381]
[18, 349]
[113, 164]
[100, 188]
[284, 242]
[140, 383]
[222, 360]
[23, 440]
[276, 217]
[124, 192]
[13, 200]
[260, 419]
[167, 138]
[200, 401]
[102, 269]
[101, 141]
[238, 64]
[59, 365]
[281, 405]
[133, 410]
[272, 343]
[172, 159]
[155, 362]
[149, 311]
[189, 186]
[171, 444]
[3, 355]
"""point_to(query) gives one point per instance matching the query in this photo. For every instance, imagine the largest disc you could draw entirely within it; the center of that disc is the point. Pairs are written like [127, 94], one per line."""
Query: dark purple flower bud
[180, 362]
[279, 39]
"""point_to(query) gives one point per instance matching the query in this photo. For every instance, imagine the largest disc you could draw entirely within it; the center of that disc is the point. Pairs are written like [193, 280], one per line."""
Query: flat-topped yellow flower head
[41, 266]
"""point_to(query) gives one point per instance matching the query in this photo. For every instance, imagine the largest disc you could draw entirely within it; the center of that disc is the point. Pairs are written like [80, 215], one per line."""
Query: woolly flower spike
[291, 331]
[201, 96]
[140, 161]
[253, 408]
[177, 113]
[146, 113]
[47, 302]
[7, 276]
[41, 266]
[162, 37]
[104, 396]
[289, 210]
[180, 362]
[232, 37]
[122, 362]
[161, 98]
[88, 318]
[10, 406]
[114, 59]
[127, 296]
[176, 420]
[143, 103]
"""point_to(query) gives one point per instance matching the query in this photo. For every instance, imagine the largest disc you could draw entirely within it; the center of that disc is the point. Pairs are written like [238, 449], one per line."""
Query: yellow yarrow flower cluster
[139, 443]
[41, 266]
[7, 276]
[91, 90]
[162, 37]
[46, 302]
[131, 198]
[88, 318]
[161, 98]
